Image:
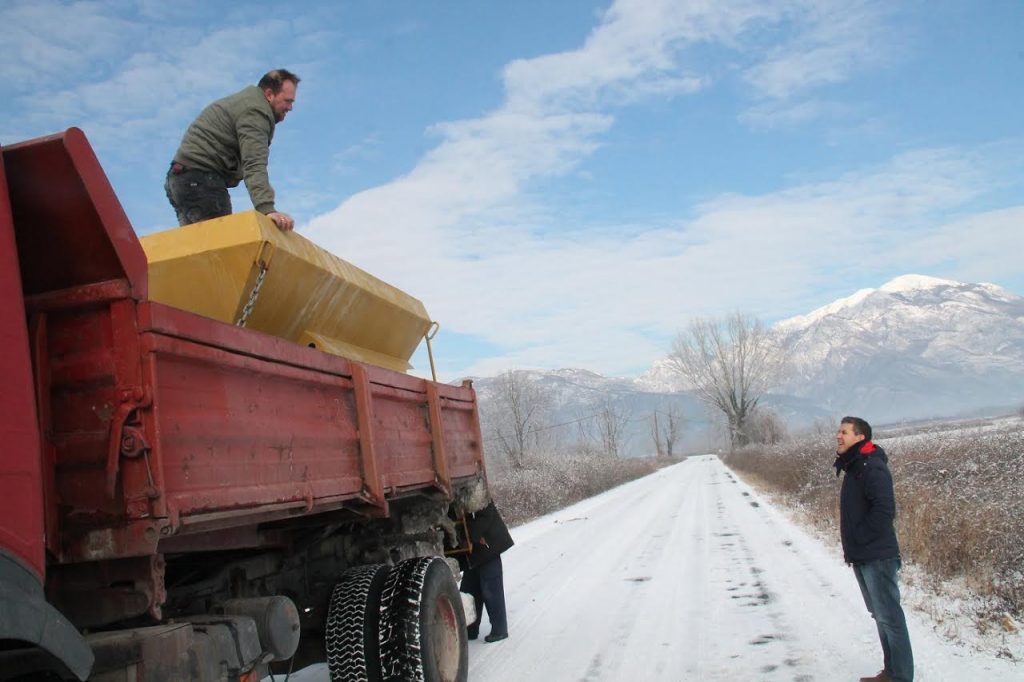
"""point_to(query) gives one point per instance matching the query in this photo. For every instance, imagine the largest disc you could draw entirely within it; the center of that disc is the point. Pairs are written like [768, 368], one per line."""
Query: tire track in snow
[598, 580]
[654, 582]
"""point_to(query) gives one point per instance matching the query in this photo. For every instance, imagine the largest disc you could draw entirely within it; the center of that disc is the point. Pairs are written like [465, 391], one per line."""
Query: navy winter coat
[867, 505]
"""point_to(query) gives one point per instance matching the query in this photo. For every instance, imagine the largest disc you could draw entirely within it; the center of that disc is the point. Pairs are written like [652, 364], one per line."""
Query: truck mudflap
[26, 616]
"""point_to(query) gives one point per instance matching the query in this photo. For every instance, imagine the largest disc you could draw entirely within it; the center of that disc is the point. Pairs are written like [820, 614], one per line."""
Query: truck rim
[446, 641]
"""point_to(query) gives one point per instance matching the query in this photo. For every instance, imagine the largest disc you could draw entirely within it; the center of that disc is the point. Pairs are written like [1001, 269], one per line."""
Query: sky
[568, 184]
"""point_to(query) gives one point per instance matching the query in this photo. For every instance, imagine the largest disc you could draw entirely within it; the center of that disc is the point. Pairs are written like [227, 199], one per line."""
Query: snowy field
[688, 574]
[928, 432]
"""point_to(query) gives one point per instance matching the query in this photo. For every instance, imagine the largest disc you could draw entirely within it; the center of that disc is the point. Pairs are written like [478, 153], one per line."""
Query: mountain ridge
[916, 347]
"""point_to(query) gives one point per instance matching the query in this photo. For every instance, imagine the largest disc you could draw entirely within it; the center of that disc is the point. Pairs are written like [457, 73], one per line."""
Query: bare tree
[666, 430]
[611, 423]
[659, 449]
[586, 442]
[730, 363]
[603, 430]
[766, 427]
[516, 415]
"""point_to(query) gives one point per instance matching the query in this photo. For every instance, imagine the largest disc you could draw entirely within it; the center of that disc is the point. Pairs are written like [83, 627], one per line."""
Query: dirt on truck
[213, 464]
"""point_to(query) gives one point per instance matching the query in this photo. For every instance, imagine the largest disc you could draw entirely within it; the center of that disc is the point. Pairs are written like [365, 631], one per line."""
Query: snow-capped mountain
[915, 347]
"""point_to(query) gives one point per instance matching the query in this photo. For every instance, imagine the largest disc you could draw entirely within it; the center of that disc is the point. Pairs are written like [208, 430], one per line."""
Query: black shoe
[472, 633]
[495, 638]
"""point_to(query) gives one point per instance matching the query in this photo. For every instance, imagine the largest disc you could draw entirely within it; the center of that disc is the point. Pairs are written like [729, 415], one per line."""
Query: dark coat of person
[488, 534]
[867, 505]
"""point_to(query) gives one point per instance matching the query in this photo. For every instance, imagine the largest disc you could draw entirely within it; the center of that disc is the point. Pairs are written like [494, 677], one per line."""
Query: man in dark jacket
[229, 142]
[867, 509]
[482, 573]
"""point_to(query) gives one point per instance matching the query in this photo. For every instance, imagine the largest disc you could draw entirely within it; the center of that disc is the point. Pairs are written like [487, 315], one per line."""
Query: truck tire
[423, 625]
[353, 622]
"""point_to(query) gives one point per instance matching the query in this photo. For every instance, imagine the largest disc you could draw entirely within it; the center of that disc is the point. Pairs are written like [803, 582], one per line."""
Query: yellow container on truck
[242, 269]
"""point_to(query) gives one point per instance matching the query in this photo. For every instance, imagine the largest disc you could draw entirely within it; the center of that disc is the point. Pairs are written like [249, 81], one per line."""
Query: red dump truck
[187, 499]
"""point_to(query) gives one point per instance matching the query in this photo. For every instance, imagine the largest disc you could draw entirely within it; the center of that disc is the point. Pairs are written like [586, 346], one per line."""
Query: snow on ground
[688, 574]
[927, 432]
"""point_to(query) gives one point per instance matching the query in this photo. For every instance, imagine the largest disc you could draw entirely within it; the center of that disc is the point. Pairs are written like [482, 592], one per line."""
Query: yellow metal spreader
[241, 269]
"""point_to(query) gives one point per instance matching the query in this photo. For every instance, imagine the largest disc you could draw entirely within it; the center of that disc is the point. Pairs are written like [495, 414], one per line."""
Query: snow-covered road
[688, 575]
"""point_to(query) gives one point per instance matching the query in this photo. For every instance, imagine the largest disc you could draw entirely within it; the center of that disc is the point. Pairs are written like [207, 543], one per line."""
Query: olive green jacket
[231, 137]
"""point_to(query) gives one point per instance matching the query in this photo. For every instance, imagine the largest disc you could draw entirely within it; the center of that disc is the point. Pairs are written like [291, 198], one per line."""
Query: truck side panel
[242, 420]
[159, 426]
[25, 614]
[21, 477]
[237, 432]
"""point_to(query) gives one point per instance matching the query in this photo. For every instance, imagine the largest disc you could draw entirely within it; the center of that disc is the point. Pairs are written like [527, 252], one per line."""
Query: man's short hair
[274, 80]
[860, 427]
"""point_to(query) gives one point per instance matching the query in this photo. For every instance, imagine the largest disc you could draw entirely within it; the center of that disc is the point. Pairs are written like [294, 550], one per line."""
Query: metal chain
[247, 310]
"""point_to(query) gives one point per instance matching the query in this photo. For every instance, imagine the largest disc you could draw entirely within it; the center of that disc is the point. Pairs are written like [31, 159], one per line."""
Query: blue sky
[566, 184]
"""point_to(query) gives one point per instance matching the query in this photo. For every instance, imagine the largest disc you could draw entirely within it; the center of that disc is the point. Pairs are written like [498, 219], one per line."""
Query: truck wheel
[423, 625]
[353, 619]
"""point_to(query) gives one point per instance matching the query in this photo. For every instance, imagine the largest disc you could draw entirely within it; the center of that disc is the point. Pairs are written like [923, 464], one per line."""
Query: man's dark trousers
[196, 195]
[487, 586]
[880, 588]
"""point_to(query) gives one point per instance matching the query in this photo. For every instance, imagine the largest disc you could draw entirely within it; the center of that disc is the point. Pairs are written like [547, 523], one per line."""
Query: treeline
[549, 482]
[537, 464]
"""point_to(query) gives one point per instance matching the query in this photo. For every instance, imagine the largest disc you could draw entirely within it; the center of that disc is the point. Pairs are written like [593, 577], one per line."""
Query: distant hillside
[916, 347]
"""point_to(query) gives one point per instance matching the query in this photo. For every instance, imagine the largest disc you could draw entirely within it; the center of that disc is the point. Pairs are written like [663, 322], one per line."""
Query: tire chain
[346, 623]
[400, 606]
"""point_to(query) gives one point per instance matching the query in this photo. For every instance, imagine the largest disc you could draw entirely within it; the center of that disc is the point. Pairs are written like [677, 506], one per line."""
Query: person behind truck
[229, 142]
[482, 576]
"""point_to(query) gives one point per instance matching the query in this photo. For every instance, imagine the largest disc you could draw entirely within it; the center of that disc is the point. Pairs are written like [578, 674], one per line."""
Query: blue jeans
[880, 586]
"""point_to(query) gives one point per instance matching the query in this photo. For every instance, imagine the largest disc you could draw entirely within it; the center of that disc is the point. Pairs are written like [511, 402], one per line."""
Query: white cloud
[461, 231]
[346, 161]
[979, 248]
[610, 299]
[789, 113]
[556, 108]
[832, 41]
[636, 49]
[47, 42]
[127, 79]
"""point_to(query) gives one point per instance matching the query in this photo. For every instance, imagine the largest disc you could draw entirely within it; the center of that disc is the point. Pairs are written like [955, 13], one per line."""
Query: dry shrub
[800, 471]
[959, 494]
[548, 483]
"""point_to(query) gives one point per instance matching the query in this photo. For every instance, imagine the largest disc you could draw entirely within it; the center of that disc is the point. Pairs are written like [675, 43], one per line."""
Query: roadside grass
[960, 504]
[549, 482]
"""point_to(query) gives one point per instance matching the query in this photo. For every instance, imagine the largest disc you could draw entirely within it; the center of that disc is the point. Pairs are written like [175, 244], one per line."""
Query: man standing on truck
[229, 142]
[867, 509]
